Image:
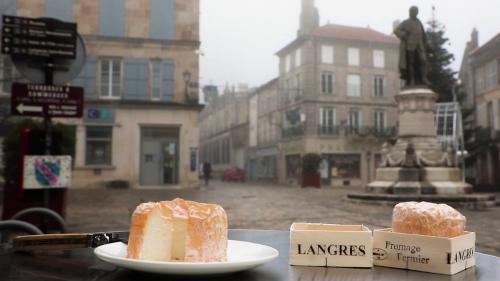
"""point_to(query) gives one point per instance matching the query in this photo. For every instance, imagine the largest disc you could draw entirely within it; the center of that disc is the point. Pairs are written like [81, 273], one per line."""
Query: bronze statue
[413, 54]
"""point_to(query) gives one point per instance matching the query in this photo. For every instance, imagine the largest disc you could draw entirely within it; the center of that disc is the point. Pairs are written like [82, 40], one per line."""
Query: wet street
[252, 206]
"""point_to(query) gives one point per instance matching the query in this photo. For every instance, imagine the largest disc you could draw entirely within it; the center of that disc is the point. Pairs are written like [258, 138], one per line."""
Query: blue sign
[99, 114]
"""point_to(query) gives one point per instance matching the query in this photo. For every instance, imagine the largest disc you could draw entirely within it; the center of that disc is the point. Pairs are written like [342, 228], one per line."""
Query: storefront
[343, 167]
[137, 146]
[266, 164]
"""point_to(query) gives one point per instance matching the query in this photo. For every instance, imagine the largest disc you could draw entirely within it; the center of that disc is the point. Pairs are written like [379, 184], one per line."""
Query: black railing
[291, 132]
[347, 131]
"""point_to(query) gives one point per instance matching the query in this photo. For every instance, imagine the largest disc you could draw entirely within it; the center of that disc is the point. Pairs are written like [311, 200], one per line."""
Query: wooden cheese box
[424, 253]
[331, 245]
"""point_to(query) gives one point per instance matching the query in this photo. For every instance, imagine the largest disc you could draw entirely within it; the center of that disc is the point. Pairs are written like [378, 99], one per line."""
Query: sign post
[46, 45]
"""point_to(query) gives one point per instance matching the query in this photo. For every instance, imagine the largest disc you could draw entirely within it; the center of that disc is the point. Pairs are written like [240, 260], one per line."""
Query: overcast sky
[240, 37]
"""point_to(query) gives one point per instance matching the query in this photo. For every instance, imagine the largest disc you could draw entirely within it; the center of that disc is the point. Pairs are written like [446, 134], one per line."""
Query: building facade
[336, 96]
[265, 122]
[224, 129]
[140, 125]
[480, 73]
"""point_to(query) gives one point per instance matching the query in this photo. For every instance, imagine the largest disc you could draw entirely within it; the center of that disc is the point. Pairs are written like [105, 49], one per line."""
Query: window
[110, 78]
[491, 120]
[480, 81]
[354, 119]
[111, 18]
[378, 58]
[491, 75]
[327, 53]
[298, 85]
[379, 119]
[353, 56]
[288, 62]
[156, 80]
[378, 86]
[353, 85]
[345, 166]
[298, 57]
[327, 80]
[162, 19]
[327, 120]
[98, 145]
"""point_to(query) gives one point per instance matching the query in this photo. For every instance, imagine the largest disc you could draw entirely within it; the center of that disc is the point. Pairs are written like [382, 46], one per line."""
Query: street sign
[43, 38]
[46, 100]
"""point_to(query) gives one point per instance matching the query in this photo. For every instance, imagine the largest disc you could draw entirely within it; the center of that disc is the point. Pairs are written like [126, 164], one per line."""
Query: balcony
[345, 131]
[295, 131]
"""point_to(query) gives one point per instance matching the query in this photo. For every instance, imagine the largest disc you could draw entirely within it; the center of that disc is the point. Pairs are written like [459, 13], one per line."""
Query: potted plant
[310, 174]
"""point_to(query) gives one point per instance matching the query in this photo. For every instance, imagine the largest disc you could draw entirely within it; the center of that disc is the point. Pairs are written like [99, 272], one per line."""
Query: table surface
[83, 265]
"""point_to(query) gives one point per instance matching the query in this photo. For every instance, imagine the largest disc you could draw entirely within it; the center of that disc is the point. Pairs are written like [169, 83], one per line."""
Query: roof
[492, 43]
[345, 32]
[354, 33]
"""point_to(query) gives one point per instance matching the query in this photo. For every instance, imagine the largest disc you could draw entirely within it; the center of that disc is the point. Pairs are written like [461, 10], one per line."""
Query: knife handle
[46, 242]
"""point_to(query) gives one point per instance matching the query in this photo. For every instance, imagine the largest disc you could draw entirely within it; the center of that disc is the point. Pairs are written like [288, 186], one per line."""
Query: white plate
[240, 256]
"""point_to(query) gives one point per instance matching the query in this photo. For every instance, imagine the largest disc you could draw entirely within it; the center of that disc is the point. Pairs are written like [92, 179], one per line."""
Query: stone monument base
[414, 181]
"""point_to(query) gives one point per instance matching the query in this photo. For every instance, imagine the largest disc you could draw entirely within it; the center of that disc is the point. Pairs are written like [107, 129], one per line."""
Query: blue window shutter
[162, 19]
[111, 17]
[135, 79]
[168, 80]
[59, 9]
[8, 7]
[87, 78]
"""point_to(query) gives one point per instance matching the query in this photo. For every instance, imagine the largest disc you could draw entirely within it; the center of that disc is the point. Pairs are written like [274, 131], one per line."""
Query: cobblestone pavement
[251, 206]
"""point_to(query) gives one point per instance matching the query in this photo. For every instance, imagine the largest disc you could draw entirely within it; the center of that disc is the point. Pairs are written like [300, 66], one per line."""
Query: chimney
[309, 18]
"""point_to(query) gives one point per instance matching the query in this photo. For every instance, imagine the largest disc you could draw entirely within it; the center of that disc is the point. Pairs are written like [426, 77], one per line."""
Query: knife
[48, 242]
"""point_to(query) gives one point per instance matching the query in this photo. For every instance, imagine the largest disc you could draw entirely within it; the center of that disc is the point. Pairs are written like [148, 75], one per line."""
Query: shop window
[345, 166]
[98, 145]
[292, 166]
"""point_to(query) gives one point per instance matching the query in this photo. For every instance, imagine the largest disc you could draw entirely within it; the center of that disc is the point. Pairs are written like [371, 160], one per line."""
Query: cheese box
[424, 253]
[331, 245]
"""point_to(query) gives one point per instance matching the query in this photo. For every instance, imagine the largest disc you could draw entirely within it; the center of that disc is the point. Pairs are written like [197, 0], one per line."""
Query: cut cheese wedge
[178, 230]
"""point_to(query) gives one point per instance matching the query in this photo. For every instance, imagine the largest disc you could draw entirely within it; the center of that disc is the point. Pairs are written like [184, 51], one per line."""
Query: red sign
[46, 100]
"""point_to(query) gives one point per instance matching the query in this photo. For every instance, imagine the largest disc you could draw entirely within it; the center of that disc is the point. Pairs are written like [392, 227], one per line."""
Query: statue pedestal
[429, 180]
[416, 166]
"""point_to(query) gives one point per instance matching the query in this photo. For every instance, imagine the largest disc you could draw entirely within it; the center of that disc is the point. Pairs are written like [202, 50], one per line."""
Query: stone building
[481, 77]
[336, 86]
[224, 129]
[265, 121]
[140, 124]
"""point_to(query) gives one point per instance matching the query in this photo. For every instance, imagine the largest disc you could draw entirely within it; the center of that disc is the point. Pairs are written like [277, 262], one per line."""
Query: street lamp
[187, 78]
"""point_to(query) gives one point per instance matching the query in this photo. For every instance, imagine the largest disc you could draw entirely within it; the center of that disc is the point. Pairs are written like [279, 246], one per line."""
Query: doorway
[159, 156]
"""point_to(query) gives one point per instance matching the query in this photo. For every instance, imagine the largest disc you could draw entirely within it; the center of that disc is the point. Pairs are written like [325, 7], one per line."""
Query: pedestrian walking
[207, 170]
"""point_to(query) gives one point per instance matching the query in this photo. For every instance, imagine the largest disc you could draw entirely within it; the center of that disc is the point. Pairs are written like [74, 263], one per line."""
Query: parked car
[233, 174]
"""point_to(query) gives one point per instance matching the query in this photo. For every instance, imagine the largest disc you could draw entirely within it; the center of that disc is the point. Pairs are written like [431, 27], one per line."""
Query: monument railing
[356, 132]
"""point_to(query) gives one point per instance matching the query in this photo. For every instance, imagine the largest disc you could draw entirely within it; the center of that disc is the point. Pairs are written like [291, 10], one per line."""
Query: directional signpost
[40, 48]
[46, 100]
[38, 38]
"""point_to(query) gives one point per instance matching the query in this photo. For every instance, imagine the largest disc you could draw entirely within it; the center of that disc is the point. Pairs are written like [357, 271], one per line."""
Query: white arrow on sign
[28, 108]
